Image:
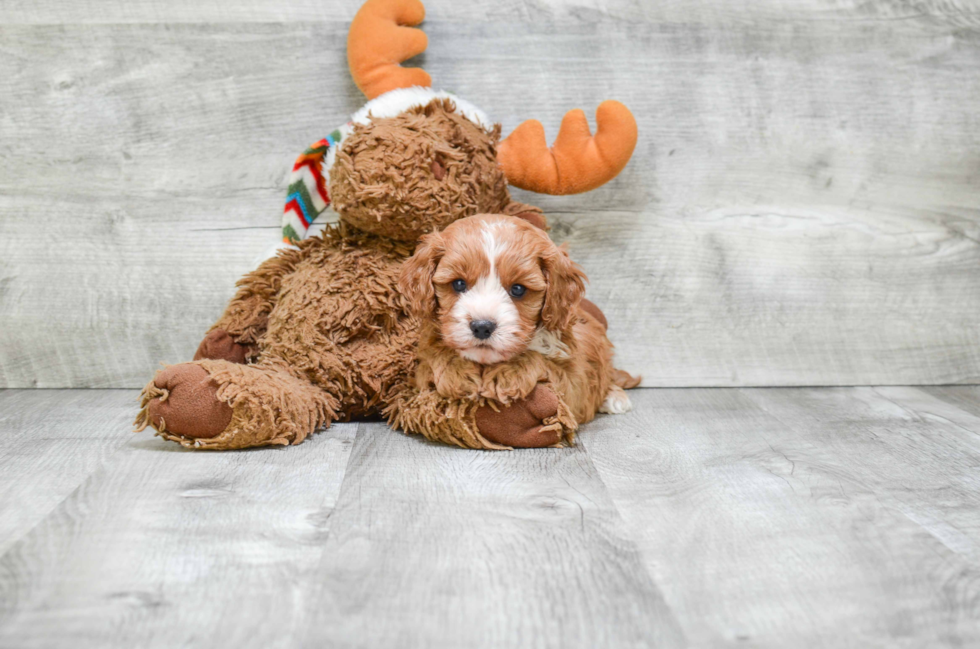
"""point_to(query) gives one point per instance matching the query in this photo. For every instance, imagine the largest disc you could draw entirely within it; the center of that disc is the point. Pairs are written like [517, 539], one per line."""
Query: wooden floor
[831, 517]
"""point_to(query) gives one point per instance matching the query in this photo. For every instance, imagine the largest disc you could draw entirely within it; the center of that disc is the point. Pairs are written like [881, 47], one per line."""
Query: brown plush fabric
[519, 425]
[257, 406]
[482, 423]
[595, 312]
[335, 342]
[324, 328]
[338, 343]
[247, 315]
[183, 397]
[450, 421]
[219, 345]
[324, 331]
[386, 178]
[529, 213]
[534, 218]
[340, 321]
[271, 405]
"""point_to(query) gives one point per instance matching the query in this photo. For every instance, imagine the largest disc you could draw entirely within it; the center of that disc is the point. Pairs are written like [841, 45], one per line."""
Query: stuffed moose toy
[320, 332]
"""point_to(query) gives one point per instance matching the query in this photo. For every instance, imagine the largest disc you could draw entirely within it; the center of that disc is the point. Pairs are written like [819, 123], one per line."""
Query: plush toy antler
[382, 36]
[578, 161]
[411, 161]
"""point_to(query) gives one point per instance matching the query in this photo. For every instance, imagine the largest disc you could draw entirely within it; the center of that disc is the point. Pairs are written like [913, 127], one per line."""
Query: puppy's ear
[566, 285]
[415, 282]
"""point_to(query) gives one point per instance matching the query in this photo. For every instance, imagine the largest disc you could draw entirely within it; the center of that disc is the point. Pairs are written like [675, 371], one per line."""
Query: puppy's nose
[482, 328]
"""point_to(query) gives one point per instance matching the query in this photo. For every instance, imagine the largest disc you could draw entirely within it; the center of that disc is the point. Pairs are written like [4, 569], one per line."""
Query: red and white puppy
[501, 311]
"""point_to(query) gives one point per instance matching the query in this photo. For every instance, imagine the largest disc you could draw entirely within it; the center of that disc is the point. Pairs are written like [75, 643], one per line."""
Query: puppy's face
[492, 284]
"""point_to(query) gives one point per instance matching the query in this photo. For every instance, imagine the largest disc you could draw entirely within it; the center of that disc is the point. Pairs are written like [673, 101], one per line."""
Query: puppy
[501, 312]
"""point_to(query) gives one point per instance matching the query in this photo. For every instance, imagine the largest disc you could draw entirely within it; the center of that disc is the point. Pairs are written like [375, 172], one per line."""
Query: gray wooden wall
[803, 206]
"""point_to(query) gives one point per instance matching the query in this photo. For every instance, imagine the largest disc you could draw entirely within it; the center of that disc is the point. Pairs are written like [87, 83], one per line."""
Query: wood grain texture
[704, 518]
[801, 208]
[50, 442]
[923, 447]
[960, 12]
[966, 397]
[460, 549]
[165, 547]
[784, 518]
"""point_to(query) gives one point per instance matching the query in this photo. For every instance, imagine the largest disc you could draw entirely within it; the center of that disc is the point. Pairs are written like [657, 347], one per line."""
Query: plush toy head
[417, 172]
[414, 160]
[493, 286]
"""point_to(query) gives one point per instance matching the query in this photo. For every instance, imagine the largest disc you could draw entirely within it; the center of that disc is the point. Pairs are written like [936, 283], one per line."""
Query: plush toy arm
[423, 411]
[540, 420]
[235, 335]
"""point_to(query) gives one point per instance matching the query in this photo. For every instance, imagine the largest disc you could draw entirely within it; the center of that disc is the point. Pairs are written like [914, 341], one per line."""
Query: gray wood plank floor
[821, 517]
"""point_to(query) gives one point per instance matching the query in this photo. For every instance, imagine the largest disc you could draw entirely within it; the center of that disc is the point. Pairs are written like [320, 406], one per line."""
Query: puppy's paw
[510, 382]
[506, 392]
[616, 402]
[455, 385]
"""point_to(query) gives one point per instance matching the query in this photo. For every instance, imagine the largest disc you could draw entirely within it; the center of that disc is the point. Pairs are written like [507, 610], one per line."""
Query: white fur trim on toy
[396, 102]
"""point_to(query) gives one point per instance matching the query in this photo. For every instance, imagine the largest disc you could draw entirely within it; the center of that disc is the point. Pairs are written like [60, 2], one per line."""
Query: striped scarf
[307, 197]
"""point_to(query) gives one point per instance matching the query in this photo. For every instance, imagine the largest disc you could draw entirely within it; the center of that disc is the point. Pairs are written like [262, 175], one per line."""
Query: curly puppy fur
[466, 275]
[324, 328]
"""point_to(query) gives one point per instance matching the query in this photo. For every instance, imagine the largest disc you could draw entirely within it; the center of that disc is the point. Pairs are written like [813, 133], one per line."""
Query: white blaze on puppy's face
[481, 314]
[487, 300]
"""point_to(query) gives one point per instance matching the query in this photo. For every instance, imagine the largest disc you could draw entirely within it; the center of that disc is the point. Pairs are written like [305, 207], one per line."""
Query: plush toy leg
[538, 421]
[234, 337]
[223, 405]
[219, 345]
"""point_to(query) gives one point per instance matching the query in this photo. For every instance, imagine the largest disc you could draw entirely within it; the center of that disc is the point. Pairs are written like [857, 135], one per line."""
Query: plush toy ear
[529, 213]
[537, 219]
[415, 282]
[566, 285]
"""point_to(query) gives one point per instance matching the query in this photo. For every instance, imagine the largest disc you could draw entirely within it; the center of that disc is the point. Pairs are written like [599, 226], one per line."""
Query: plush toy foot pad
[524, 424]
[220, 346]
[181, 400]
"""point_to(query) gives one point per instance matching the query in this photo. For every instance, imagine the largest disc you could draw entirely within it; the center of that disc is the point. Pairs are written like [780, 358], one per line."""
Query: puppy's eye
[517, 290]
[459, 286]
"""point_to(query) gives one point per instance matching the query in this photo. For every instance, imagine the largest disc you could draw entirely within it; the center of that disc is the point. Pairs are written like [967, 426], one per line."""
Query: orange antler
[380, 38]
[578, 161]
